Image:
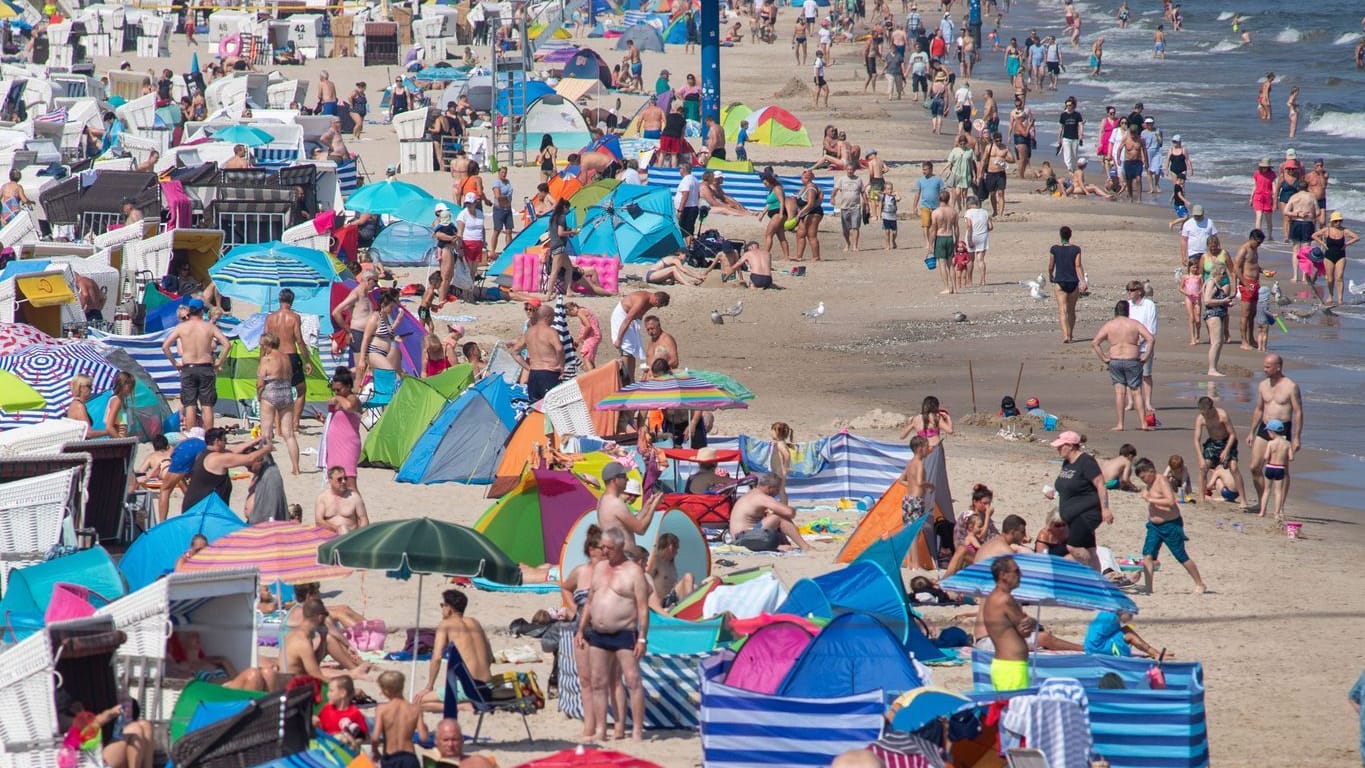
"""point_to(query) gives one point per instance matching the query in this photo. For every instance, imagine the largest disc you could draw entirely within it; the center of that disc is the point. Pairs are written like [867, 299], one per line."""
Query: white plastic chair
[31, 521]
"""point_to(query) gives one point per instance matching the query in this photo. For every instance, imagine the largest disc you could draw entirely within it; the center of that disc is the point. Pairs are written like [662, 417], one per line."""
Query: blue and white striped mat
[747, 188]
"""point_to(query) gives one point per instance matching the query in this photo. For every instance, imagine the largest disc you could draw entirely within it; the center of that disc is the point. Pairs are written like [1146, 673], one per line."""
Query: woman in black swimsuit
[808, 216]
[1178, 161]
[546, 157]
[1064, 269]
[1334, 239]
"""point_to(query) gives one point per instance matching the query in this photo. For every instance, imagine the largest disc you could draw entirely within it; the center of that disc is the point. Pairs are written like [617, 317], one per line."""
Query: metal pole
[710, 61]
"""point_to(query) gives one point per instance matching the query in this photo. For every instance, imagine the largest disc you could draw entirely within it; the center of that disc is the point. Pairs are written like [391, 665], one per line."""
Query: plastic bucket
[1292, 530]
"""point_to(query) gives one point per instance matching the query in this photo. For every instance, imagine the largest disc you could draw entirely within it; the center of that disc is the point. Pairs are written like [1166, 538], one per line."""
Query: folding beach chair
[377, 395]
[505, 694]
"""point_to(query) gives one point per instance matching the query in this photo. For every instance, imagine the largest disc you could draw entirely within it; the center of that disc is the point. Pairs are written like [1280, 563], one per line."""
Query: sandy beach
[1273, 634]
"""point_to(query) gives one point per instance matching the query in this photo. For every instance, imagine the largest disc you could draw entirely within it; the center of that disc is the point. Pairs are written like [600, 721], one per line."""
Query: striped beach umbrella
[256, 273]
[49, 367]
[280, 550]
[16, 336]
[1046, 580]
[687, 392]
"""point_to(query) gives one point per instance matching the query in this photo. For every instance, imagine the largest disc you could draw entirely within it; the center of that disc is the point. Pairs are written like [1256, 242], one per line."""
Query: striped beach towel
[746, 188]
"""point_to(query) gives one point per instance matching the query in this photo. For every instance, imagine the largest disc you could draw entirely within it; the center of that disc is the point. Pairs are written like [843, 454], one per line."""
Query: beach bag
[367, 635]
[1156, 679]
[518, 686]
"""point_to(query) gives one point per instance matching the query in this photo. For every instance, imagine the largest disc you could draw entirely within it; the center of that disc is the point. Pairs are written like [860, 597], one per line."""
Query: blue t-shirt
[974, 11]
[184, 454]
[929, 187]
[743, 137]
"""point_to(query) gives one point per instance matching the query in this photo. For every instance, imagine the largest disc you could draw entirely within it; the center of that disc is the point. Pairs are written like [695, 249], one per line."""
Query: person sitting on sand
[1051, 539]
[760, 264]
[761, 523]
[965, 554]
[1118, 471]
[669, 587]
[1112, 634]
[672, 270]
[310, 641]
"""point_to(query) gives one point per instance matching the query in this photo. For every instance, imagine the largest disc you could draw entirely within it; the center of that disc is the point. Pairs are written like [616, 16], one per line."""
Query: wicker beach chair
[568, 411]
[28, 706]
[31, 521]
[46, 437]
[267, 729]
[140, 664]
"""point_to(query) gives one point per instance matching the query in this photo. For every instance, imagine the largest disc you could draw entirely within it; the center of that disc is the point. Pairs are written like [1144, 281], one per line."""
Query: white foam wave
[1225, 46]
[1289, 35]
[1225, 16]
[1347, 38]
[1347, 124]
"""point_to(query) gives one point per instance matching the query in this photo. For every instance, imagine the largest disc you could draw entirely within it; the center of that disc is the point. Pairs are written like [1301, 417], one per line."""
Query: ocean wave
[1225, 46]
[1226, 16]
[1347, 38]
[1333, 123]
[1288, 35]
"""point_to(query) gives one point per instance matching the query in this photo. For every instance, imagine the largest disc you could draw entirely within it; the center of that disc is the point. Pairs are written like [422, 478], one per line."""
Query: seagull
[735, 310]
[1355, 288]
[959, 317]
[1036, 291]
[717, 317]
[817, 313]
[1147, 287]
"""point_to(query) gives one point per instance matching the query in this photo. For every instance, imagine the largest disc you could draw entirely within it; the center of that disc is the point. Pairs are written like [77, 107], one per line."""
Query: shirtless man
[286, 324]
[669, 588]
[1013, 536]
[943, 232]
[360, 306]
[761, 523]
[1007, 624]
[1317, 186]
[1263, 97]
[12, 195]
[327, 94]
[613, 626]
[305, 646]
[1021, 130]
[198, 368]
[612, 511]
[1130, 344]
[470, 640]
[240, 158]
[759, 262]
[876, 172]
[91, 297]
[544, 359]
[1277, 397]
[662, 346]
[397, 723]
[340, 508]
[1219, 448]
[1301, 210]
[1134, 153]
[1246, 270]
[459, 171]
[991, 173]
[652, 120]
[625, 326]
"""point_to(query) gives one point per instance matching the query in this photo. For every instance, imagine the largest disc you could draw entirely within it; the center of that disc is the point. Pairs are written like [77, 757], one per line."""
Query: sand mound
[794, 87]
[874, 419]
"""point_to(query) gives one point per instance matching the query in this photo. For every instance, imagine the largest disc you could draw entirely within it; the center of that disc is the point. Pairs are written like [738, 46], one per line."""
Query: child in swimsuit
[916, 486]
[1278, 453]
[966, 551]
[1178, 475]
[1192, 287]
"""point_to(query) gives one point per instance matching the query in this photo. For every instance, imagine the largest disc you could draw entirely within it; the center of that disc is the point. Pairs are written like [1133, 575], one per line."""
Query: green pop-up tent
[237, 381]
[413, 407]
[531, 523]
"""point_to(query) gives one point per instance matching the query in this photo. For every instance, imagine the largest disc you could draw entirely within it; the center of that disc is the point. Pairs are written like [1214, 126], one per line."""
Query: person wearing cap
[1274, 477]
[1287, 183]
[194, 336]
[353, 312]
[444, 232]
[469, 229]
[544, 359]
[1082, 499]
[1195, 234]
[612, 509]
[1130, 347]
[1034, 407]
[1334, 239]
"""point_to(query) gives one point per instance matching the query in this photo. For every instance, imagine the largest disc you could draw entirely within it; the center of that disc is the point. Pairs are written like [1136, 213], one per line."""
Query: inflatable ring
[230, 46]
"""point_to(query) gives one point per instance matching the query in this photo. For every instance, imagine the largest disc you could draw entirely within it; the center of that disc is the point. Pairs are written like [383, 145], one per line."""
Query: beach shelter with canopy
[555, 115]
[30, 591]
[405, 244]
[853, 654]
[528, 440]
[588, 64]
[645, 36]
[634, 222]
[153, 554]
[592, 195]
[532, 522]
[415, 403]
[464, 442]
[236, 383]
[694, 555]
[529, 237]
[776, 127]
[730, 118]
[884, 518]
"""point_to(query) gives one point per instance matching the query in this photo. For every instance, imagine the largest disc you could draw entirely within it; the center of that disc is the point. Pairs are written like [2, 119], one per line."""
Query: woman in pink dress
[589, 334]
[341, 434]
[1263, 197]
[1111, 119]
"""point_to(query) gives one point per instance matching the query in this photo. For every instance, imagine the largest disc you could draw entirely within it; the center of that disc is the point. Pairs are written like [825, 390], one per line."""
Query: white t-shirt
[473, 225]
[979, 218]
[631, 176]
[810, 9]
[1144, 312]
[1198, 234]
[963, 95]
[826, 36]
[688, 192]
[819, 67]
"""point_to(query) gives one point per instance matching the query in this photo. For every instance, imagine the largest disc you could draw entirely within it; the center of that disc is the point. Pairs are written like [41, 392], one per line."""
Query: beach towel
[270, 502]
[808, 459]
[632, 342]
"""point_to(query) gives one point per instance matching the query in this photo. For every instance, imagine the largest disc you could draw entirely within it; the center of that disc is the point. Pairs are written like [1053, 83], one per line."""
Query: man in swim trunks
[198, 367]
[1021, 128]
[761, 523]
[1007, 624]
[288, 326]
[1219, 448]
[1134, 162]
[613, 626]
[1302, 211]
[943, 231]
[360, 307]
[1130, 343]
[544, 359]
[652, 119]
[1317, 185]
[1277, 397]
[1246, 270]
[625, 326]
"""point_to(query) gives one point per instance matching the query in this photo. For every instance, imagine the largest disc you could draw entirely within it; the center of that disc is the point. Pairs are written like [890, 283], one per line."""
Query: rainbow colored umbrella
[687, 392]
[280, 550]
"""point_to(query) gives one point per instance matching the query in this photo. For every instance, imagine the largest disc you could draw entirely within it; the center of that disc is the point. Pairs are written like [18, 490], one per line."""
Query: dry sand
[1275, 633]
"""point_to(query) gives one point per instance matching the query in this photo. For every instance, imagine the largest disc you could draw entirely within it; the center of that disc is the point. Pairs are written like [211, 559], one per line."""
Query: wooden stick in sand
[1017, 380]
[971, 378]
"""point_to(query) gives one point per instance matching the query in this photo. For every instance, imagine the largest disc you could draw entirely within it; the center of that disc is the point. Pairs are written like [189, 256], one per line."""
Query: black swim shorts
[198, 385]
[295, 370]
[620, 640]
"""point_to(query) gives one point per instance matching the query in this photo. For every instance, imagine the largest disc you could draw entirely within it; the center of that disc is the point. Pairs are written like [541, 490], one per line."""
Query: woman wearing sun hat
[1334, 239]
[1082, 499]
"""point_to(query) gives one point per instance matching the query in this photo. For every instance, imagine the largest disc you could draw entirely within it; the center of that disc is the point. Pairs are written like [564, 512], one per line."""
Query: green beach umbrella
[16, 395]
[727, 383]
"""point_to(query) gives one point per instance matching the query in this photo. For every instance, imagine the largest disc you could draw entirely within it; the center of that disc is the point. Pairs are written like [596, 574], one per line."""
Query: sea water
[1205, 90]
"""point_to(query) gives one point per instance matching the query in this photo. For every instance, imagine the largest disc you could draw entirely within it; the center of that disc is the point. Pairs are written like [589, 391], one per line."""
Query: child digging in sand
[1164, 525]
[395, 721]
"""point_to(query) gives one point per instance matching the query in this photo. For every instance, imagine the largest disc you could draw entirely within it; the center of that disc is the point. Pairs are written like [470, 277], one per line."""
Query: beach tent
[884, 518]
[405, 244]
[693, 606]
[853, 654]
[765, 658]
[30, 590]
[694, 555]
[730, 118]
[514, 104]
[557, 116]
[532, 522]
[588, 64]
[415, 404]
[153, 554]
[528, 439]
[669, 635]
[676, 31]
[591, 195]
[646, 38]
[776, 127]
[464, 442]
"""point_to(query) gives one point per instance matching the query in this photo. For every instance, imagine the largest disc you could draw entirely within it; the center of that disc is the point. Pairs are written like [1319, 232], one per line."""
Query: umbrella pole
[416, 637]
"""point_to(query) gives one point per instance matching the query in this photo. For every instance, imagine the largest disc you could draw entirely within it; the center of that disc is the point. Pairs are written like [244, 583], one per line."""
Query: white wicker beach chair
[28, 706]
[31, 514]
[46, 437]
[565, 408]
[20, 230]
[145, 617]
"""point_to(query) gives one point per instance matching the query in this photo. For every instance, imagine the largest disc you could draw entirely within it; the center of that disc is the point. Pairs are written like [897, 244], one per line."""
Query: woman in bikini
[672, 270]
[276, 396]
[808, 216]
[379, 344]
[774, 210]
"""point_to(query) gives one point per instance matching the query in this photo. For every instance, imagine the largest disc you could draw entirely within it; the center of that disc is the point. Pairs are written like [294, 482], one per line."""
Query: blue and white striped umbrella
[1046, 580]
[49, 368]
[257, 272]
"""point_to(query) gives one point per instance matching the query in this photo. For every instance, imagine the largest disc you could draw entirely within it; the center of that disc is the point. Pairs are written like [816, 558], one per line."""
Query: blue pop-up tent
[853, 654]
[464, 443]
[153, 554]
[30, 589]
